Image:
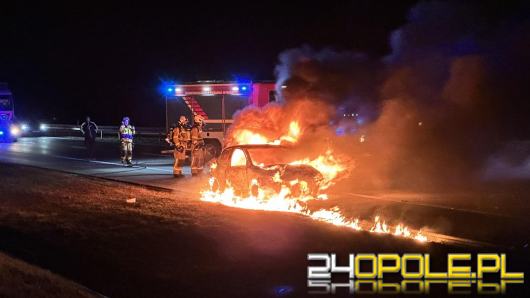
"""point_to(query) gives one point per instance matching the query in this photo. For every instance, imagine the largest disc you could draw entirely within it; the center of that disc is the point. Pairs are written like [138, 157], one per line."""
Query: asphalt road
[168, 245]
[70, 155]
[498, 217]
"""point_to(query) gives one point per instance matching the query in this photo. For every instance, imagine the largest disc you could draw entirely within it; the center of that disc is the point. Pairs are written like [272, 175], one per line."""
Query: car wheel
[303, 188]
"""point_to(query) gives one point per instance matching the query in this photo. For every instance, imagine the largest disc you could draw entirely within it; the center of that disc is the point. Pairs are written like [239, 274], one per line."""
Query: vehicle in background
[31, 127]
[9, 129]
[217, 102]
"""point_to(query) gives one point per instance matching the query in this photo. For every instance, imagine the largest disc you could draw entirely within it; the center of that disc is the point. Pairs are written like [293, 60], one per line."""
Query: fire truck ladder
[194, 106]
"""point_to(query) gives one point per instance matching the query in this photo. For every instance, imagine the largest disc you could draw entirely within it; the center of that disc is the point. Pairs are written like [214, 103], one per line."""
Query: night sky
[108, 60]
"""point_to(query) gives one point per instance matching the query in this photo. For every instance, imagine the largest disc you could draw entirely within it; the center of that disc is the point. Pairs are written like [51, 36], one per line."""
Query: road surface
[69, 154]
[484, 217]
[168, 245]
[65, 228]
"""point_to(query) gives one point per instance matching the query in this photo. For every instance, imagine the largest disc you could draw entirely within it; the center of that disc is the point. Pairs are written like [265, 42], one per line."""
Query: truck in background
[217, 102]
[9, 130]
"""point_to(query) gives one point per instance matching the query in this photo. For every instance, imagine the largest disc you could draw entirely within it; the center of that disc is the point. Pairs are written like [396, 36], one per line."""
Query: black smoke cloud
[453, 90]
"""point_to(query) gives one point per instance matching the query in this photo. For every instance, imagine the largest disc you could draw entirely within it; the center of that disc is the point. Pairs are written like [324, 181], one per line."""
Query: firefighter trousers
[179, 156]
[126, 151]
[197, 159]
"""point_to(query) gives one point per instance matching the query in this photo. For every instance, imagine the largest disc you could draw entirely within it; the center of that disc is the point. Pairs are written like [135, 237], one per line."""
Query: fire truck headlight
[43, 127]
[207, 89]
[235, 88]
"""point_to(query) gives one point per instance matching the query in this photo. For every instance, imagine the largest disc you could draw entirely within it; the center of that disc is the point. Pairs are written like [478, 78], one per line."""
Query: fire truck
[9, 131]
[217, 102]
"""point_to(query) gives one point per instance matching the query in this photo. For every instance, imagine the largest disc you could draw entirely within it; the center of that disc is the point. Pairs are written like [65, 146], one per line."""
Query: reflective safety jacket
[127, 133]
[179, 135]
[196, 134]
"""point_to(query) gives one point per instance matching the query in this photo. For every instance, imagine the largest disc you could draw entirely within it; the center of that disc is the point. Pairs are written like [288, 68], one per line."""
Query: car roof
[251, 146]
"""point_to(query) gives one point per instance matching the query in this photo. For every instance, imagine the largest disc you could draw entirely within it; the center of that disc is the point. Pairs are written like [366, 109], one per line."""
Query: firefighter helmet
[198, 119]
[183, 120]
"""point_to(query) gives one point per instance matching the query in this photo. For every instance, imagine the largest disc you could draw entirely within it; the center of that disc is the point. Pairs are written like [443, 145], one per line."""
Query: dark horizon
[70, 61]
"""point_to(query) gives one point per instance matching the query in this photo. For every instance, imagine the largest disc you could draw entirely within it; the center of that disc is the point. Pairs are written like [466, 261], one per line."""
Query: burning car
[248, 168]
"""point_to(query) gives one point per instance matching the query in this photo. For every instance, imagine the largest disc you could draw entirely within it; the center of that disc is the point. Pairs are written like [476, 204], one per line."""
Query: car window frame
[247, 159]
[226, 161]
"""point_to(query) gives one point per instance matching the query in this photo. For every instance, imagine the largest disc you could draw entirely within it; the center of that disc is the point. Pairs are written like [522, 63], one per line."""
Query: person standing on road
[197, 145]
[89, 130]
[179, 137]
[126, 134]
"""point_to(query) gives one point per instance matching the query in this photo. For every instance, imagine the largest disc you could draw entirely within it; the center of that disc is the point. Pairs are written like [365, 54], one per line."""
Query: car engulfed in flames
[251, 168]
[277, 174]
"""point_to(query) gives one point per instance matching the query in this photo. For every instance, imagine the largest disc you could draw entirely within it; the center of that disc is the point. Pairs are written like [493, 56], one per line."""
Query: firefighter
[197, 145]
[126, 139]
[89, 129]
[179, 138]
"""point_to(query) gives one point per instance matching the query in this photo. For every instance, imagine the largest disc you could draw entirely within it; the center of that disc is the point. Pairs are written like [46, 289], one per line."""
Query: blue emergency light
[1, 132]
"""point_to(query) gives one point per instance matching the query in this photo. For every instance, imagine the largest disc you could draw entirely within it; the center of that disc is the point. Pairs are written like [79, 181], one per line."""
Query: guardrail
[75, 130]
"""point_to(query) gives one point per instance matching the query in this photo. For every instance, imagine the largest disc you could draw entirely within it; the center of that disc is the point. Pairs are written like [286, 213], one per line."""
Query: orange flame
[326, 164]
[284, 200]
[294, 133]
[245, 136]
[249, 137]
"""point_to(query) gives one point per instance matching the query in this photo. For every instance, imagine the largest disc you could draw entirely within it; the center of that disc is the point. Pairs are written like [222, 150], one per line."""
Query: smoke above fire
[431, 114]
[450, 93]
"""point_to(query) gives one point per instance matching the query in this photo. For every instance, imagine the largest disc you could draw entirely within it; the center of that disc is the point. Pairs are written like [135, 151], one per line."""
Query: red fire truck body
[217, 102]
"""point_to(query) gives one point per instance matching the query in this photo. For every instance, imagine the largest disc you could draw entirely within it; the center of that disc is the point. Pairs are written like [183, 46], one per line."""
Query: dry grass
[165, 244]
[19, 279]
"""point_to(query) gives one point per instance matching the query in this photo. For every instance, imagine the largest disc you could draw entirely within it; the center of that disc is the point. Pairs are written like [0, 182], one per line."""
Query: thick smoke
[452, 91]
